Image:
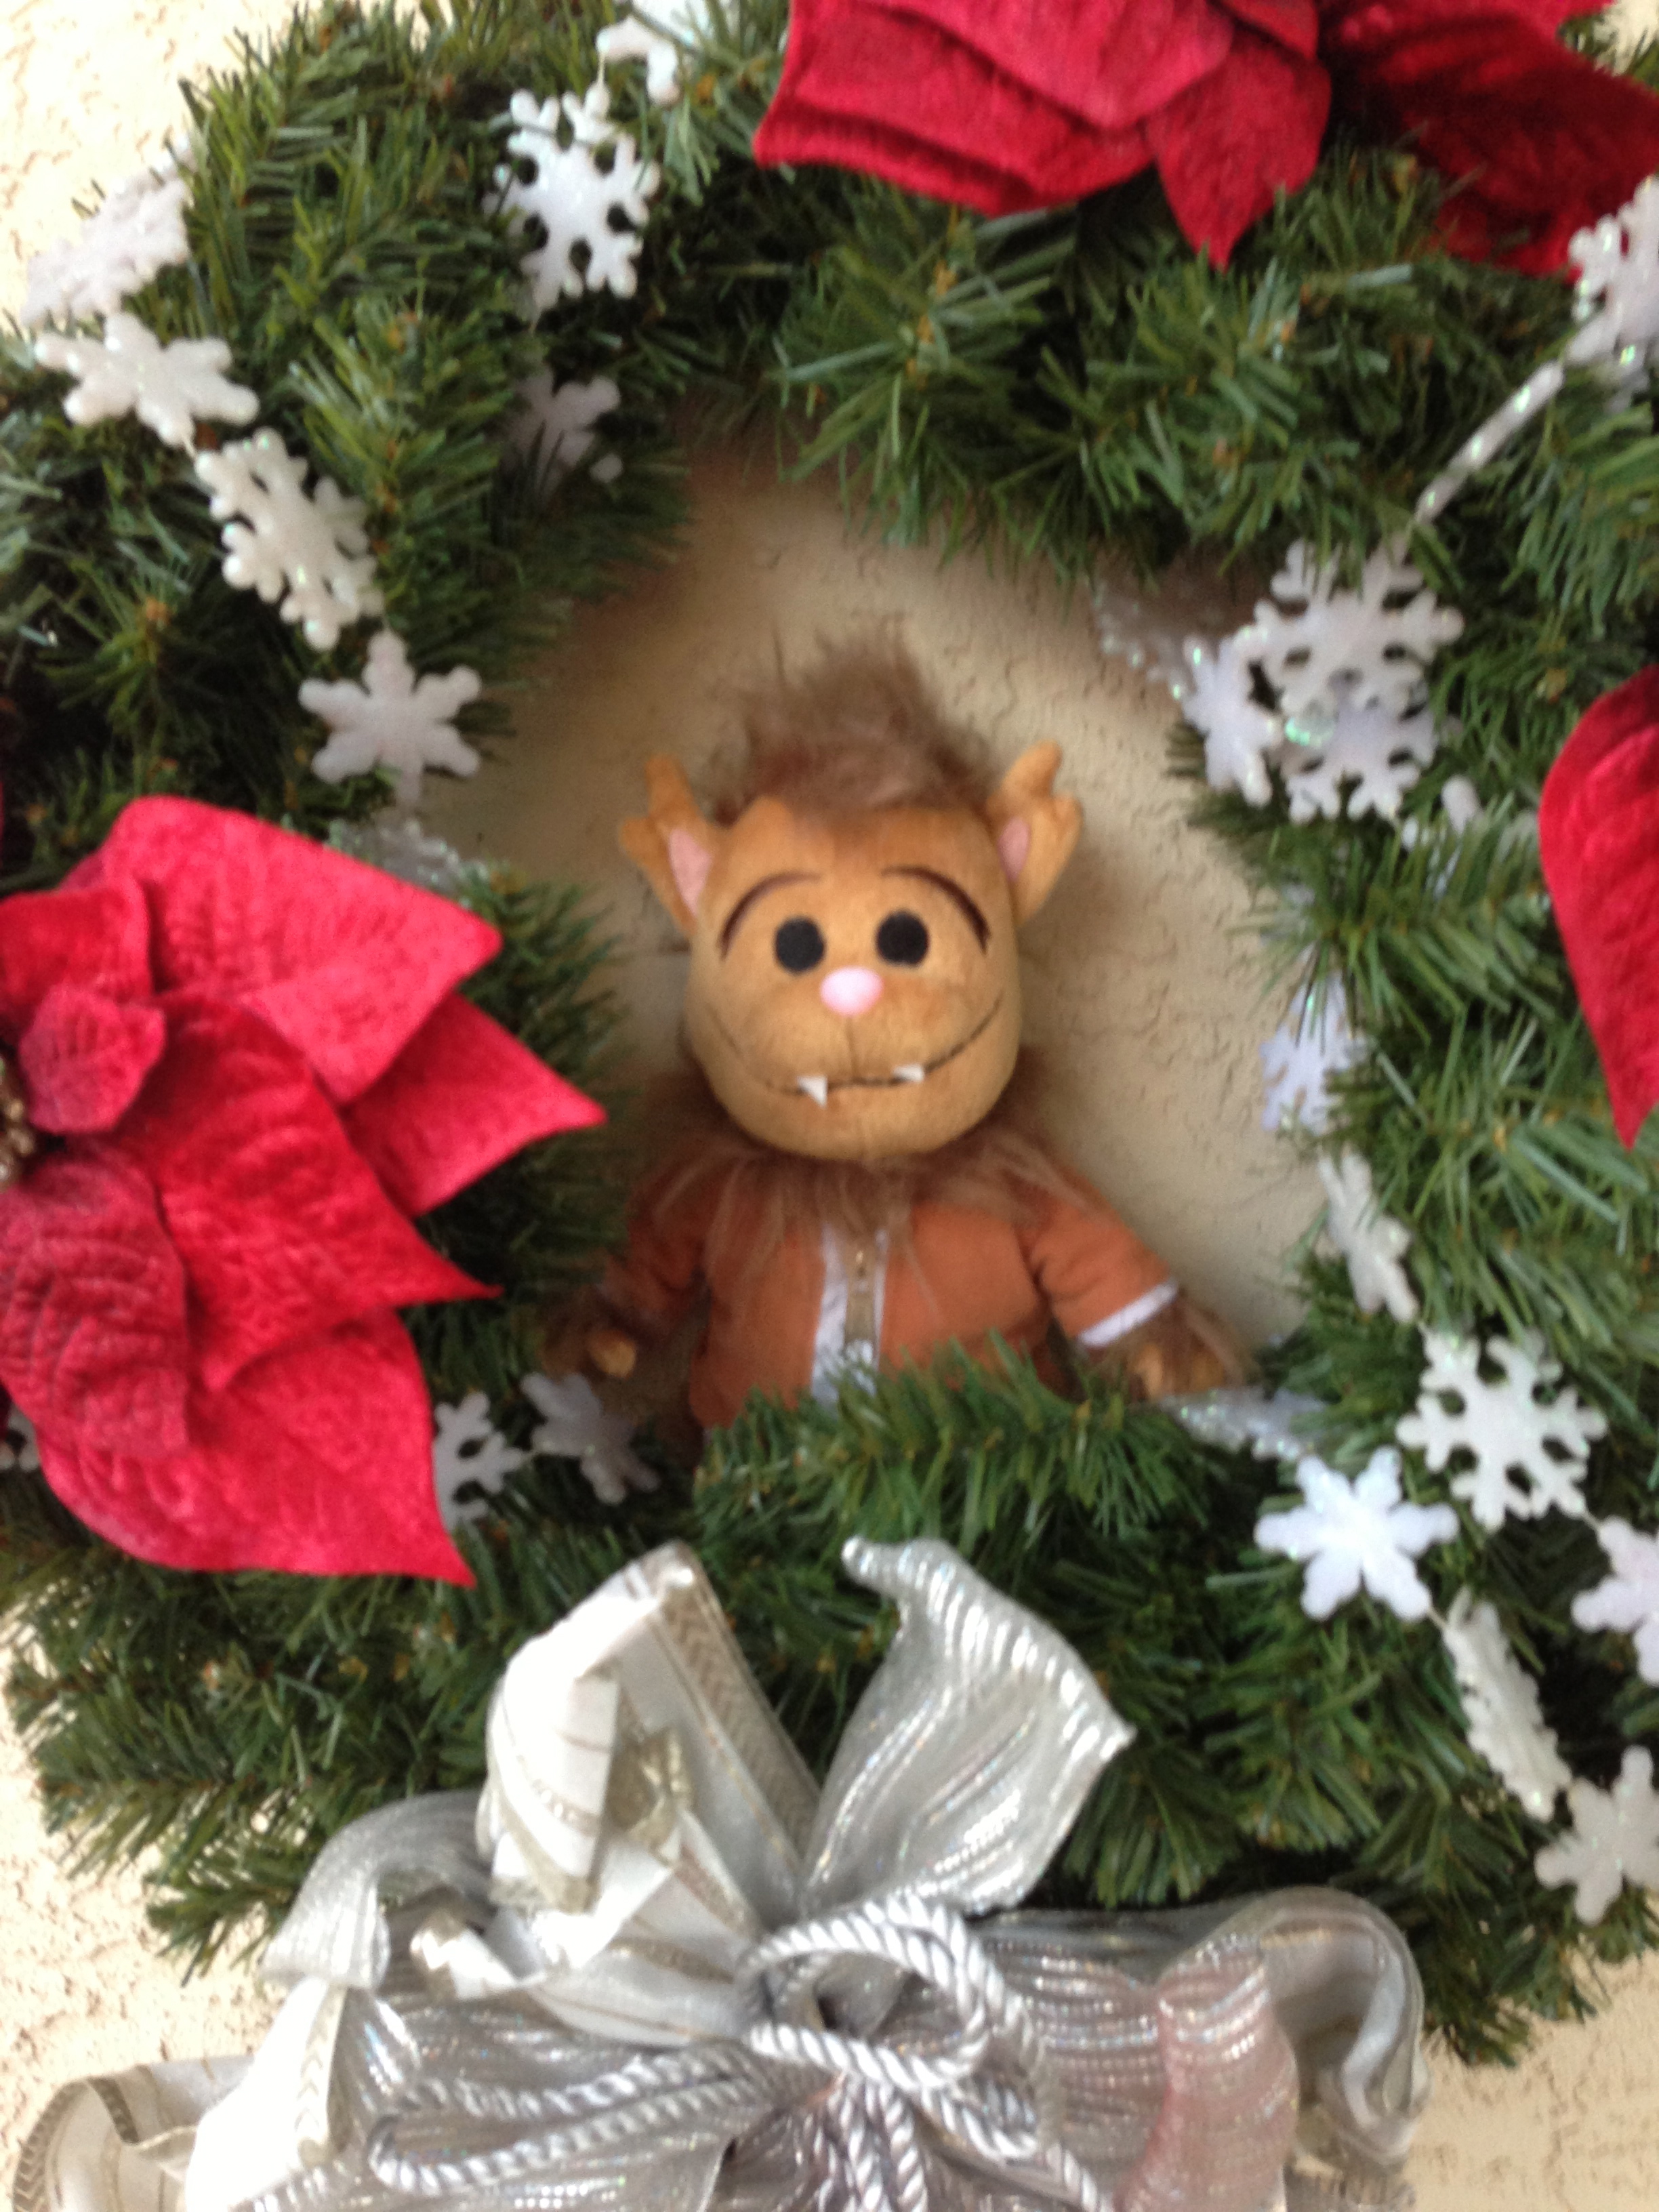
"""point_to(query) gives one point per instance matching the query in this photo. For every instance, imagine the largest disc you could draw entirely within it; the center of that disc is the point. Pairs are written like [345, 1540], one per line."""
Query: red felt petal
[1601, 858]
[283, 1231]
[100, 939]
[92, 1340]
[1225, 148]
[461, 1096]
[340, 958]
[1109, 64]
[1545, 143]
[84, 1057]
[1291, 23]
[316, 1461]
[977, 137]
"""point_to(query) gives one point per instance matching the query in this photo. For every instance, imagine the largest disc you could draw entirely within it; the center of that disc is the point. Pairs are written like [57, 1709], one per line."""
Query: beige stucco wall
[1147, 1000]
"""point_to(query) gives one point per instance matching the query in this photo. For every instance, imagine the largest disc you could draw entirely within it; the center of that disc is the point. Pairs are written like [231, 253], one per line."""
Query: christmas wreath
[1363, 299]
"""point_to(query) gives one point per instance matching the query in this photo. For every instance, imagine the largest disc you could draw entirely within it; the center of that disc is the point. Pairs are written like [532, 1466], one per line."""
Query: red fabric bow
[1006, 105]
[1598, 837]
[252, 1054]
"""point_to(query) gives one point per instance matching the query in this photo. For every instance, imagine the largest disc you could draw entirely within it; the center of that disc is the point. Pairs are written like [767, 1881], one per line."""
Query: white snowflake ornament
[575, 1425]
[573, 196]
[309, 551]
[1367, 765]
[1241, 737]
[1272, 1427]
[129, 371]
[1615, 1839]
[470, 1449]
[1617, 301]
[1628, 1599]
[1372, 1243]
[1302, 1054]
[139, 229]
[1500, 1707]
[562, 417]
[392, 722]
[1503, 1426]
[1357, 1532]
[1322, 645]
[660, 34]
[19, 1453]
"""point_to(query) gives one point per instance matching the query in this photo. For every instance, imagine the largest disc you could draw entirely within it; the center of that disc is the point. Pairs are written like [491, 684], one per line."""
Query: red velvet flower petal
[973, 134]
[1547, 142]
[340, 958]
[93, 1342]
[459, 1099]
[316, 1461]
[283, 1231]
[100, 939]
[1598, 837]
[1225, 148]
[1109, 63]
[84, 1058]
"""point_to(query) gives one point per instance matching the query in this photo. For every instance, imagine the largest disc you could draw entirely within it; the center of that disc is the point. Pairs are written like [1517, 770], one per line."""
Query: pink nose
[850, 990]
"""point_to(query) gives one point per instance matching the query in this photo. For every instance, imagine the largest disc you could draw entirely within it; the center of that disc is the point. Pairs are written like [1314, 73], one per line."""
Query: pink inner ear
[1013, 846]
[690, 864]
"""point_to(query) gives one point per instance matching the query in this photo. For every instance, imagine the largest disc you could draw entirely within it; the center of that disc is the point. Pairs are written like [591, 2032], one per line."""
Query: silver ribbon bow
[650, 1968]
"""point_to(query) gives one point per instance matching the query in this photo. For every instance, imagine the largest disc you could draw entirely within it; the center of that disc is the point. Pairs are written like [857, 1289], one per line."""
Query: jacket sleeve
[656, 1281]
[1100, 1280]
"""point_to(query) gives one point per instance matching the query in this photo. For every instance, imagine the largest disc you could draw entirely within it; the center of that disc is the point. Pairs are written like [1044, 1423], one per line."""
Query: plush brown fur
[856, 733]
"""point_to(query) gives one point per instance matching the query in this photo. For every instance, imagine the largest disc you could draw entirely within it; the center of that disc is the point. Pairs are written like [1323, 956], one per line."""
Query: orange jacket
[812, 1309]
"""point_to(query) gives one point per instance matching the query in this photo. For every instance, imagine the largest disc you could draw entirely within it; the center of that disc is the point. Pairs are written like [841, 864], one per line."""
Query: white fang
[912, 1071]
[816, 1088]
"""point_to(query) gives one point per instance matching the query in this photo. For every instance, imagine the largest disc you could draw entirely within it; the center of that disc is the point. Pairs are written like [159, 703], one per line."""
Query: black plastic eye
[902, 939]
[798, 945]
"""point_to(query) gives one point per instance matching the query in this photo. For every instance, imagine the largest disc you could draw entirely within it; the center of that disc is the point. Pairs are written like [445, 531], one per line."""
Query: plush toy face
[854, 984]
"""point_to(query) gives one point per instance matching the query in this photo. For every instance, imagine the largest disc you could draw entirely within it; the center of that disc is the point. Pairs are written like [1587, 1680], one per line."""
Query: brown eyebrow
[755, 891]
[976, 920]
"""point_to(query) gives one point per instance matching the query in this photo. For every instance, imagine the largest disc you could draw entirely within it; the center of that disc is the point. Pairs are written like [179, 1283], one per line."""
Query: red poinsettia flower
[248, 1066]
[1598, 837]
[1539, 141]
[1008, 105]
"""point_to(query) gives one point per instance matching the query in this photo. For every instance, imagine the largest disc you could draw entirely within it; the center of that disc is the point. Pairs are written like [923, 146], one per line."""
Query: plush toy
[863, 1187]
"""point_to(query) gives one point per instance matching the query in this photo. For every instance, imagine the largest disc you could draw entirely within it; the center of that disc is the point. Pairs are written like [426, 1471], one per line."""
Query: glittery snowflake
[397, 844]
[311, 548]
[1371, 1243]
[575, 1425]
[1615, 1839]
[1357, 1531]
[1459, 810]
[1500, 1707]
[1272, 1428]
[1367, 766]
[1300, 1057]
[659, 33]
[1503, 1426]
[1322, 645]
[1241, 737]
[1617, 303]
[562, 417]
[573, 196]
[469, 1449]
[390, 720]
[139, 229]
[170, 388]
[18, 1450]
[1628, 1599]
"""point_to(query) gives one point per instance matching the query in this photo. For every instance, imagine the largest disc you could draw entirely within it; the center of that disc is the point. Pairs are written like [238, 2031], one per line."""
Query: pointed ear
[672, 846]
[1034, 832]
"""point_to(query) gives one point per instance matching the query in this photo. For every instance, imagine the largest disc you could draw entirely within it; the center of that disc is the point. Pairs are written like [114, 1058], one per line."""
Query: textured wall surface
[1147, 1003]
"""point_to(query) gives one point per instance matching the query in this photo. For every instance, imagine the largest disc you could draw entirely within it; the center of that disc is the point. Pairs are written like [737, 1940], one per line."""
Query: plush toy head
[852, 906]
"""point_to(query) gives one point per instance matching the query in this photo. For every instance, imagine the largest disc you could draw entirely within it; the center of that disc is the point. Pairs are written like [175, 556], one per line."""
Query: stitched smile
[818, 1087]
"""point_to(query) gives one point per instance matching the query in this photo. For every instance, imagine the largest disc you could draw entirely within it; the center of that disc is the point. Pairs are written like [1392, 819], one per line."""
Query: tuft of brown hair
[856, 732]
